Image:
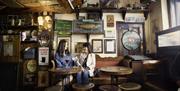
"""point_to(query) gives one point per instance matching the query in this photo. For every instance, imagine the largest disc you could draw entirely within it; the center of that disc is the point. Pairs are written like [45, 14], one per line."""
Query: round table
[83, 87]
[63, 73]
[116, 71]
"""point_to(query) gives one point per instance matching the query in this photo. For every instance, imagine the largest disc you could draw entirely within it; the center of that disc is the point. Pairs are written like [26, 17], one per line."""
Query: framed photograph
[43, 79]
[110, 20]
[68, 39]
[109, 46]
[110, 33]
[43, 58]
[97, 45]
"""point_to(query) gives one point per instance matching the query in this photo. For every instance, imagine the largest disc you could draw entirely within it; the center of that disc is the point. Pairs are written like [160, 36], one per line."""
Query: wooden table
[116, 71]
[63, 73]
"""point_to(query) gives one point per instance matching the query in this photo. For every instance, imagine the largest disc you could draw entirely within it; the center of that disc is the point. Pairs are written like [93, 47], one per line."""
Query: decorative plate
[31, 65]
[131, 40]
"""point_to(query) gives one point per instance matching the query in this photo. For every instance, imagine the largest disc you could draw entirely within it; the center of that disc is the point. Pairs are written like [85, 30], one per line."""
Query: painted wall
[82, 38]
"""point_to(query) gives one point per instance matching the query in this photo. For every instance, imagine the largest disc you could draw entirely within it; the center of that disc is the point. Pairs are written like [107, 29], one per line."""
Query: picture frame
[110, 33]
[10, 48]
[109, 45]
[43, 79]
[110, 20]
[97, 45]
[43, 57]
[64, 27]
[68, 39]
[88, 26]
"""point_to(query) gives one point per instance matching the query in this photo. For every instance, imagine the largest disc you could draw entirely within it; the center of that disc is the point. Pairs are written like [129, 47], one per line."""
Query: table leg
[114, 79]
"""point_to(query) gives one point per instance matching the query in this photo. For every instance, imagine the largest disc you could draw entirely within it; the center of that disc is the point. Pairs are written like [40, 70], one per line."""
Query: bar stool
[109, 88]
[54, 88]
[83, 87]
[130, 86]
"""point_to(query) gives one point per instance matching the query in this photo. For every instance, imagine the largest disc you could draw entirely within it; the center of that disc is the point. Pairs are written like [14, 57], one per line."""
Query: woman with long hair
[64, 60]
[62, 56]
[87, 62]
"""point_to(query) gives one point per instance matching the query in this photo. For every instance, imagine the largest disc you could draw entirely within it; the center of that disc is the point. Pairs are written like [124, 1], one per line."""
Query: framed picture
[68, 40]
[109, 46]
[64, 27]
[10, 48]
[43, 58]
[110, 20]
[97, 45]
[88, 26]
[110, 33]
[43, 79]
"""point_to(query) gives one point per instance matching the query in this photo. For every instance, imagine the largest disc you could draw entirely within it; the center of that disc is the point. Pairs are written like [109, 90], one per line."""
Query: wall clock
[131, 40]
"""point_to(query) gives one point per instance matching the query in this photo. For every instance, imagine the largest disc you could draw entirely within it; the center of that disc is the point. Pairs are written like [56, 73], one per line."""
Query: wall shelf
[113, 10]
[19, 27]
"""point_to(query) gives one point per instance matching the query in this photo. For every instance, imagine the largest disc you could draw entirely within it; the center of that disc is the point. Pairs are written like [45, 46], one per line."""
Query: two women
[86, 61]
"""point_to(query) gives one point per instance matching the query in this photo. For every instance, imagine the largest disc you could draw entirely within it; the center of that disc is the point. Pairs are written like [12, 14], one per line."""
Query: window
[174, 12]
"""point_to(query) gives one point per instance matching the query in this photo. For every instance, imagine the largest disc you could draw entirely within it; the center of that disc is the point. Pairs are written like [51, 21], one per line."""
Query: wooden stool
[54, 88]
[109, 88]
[83, 87]
[130, 86]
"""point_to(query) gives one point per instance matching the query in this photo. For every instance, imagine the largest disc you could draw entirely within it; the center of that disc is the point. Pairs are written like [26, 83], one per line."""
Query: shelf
[88, 33]
[113, 10]
[19, 27]
[29, 41]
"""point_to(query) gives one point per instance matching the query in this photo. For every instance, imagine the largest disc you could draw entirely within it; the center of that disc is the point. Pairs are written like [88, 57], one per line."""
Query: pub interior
[128, 45]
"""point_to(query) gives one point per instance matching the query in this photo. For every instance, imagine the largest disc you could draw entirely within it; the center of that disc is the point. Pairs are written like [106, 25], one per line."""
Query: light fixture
[45, 21]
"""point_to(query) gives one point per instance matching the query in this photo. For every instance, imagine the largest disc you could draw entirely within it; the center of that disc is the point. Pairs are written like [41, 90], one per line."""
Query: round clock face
[131, 40]
[31, 66]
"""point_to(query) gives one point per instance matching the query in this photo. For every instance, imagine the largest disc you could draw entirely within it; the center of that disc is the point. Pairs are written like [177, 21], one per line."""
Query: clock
[31, 65]
[131, 40]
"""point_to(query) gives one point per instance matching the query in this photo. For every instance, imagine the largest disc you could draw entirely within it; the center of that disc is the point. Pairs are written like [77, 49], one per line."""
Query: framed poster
[68, 40]
[43, 58]
[43, 79]
[97, 45]
[64, 27]
[110, 20]
[109, 46]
